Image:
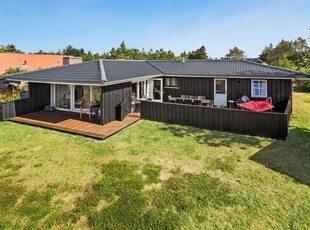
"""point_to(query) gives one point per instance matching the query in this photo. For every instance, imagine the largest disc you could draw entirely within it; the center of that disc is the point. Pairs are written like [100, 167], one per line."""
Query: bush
[303, 85]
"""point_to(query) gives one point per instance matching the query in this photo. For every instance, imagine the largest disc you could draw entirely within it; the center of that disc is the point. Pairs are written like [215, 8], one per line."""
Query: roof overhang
[231, 77]
[56, 82]
[303, 78]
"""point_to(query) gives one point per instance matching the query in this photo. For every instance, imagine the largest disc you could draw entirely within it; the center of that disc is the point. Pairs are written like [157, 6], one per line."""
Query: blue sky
[99, 25]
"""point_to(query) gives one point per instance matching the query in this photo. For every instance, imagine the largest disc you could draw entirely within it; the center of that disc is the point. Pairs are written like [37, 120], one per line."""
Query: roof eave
[230, 76]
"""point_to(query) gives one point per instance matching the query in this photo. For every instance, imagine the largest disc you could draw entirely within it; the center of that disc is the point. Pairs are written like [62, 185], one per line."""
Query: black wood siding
[14, 108]
[115, 102]
[39, 97]
[274, 125]
[191, 86]
[278, 89]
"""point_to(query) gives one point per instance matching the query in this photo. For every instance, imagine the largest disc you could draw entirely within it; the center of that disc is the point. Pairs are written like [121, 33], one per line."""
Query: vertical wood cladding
[115, 102]
[39, 96]
[191, 86]
[278, 89]
[274, 125]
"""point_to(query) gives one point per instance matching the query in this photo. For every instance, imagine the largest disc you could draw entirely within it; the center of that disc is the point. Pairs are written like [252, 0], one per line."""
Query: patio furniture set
[191, 100]
[243, 102]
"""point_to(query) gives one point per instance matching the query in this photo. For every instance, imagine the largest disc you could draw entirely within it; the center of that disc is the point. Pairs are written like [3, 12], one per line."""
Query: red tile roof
[29, 61]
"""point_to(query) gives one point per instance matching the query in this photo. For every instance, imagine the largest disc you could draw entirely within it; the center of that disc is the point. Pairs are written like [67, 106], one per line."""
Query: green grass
[156, 176]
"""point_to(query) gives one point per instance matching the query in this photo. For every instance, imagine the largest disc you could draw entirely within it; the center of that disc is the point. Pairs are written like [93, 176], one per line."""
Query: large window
[171, 82]
[71, 97]
[96, 94]
[81, 94]
[62, 96]
[259, 88]
[142, 90]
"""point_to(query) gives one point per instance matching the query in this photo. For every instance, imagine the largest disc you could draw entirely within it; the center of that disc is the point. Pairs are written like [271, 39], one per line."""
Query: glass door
[157, 92]
[62, 96]
[81, 94]
[220, 92]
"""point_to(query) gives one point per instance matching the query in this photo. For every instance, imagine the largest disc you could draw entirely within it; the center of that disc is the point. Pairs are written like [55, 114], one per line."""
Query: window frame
[259, 88]
[176, 80]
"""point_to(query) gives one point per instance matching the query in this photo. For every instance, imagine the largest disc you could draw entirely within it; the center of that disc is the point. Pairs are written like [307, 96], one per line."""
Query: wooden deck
[70, 122]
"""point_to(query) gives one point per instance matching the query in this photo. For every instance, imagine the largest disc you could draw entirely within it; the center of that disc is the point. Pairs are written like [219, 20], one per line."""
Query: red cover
[258, 106]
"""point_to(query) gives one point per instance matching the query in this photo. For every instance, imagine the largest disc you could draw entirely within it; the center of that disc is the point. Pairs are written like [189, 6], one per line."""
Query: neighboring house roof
[29, 62]
[224, 68]
[112, 71]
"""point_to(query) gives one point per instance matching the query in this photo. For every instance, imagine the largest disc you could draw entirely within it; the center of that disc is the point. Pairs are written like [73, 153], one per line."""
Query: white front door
[157, 89]
[220, 92]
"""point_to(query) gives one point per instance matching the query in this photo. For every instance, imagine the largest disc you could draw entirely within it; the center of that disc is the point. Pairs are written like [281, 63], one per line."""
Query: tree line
[124, 52]
[293, 55]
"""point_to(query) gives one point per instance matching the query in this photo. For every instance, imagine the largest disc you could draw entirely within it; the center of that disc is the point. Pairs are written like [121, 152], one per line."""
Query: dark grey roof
[226, 68]
[121, 69]
[111, 71]
[87, 72]
[255, 60]
[90, 72]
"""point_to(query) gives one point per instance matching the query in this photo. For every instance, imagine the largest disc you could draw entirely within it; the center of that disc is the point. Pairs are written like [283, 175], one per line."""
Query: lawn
[156, 176]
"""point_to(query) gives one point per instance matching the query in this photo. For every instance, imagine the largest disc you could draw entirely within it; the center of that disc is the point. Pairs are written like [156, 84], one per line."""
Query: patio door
[220, 92]
[82, 93]
[157, 89]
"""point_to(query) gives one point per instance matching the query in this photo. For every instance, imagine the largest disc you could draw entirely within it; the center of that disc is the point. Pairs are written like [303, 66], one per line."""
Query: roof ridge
[102, 71]
[154, 67]
[122, 60]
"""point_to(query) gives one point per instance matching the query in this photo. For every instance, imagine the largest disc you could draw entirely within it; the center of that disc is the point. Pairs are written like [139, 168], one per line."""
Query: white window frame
[252, 88]
[171, 86]
[72, 88]
[145, 85]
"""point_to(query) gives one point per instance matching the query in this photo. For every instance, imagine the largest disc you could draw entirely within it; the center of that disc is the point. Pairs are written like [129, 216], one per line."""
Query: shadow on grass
[212, 137]
[290, 157]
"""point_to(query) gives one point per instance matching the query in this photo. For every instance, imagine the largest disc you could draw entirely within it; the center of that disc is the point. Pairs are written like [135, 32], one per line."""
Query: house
[31, 62]
[119, 85]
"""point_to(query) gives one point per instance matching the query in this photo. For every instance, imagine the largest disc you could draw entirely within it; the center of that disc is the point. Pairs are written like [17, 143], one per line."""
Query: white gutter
[231, 77]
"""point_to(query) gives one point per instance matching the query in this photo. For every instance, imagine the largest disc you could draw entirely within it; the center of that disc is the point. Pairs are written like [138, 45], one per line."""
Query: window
[259, 88]
[171, 82]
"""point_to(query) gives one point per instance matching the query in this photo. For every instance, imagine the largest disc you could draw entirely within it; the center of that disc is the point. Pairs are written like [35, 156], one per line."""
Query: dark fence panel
[268, 124]
[14, 108]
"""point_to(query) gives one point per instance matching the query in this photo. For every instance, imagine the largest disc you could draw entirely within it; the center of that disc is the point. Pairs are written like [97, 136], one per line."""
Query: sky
[177, 25]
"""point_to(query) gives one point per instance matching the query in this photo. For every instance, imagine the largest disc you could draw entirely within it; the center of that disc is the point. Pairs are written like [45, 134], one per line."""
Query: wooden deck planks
[71, 123]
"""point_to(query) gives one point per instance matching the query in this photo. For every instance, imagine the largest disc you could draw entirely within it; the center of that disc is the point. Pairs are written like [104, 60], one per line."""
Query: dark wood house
[120, 87]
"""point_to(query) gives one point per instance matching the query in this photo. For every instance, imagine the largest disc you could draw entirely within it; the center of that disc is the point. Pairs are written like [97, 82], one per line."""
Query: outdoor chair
[65, 102]
[171, 99]
[78, 102]
[197, 102]
[258, 106]
[179, 100]
[201, 97]
[193, 97]
[184, 96]
[188, 101]
[241, 100]
[86, 108]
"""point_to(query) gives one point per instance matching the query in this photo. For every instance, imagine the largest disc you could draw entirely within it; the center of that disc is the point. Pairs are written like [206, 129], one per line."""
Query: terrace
[70, 122]
[272, 124]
